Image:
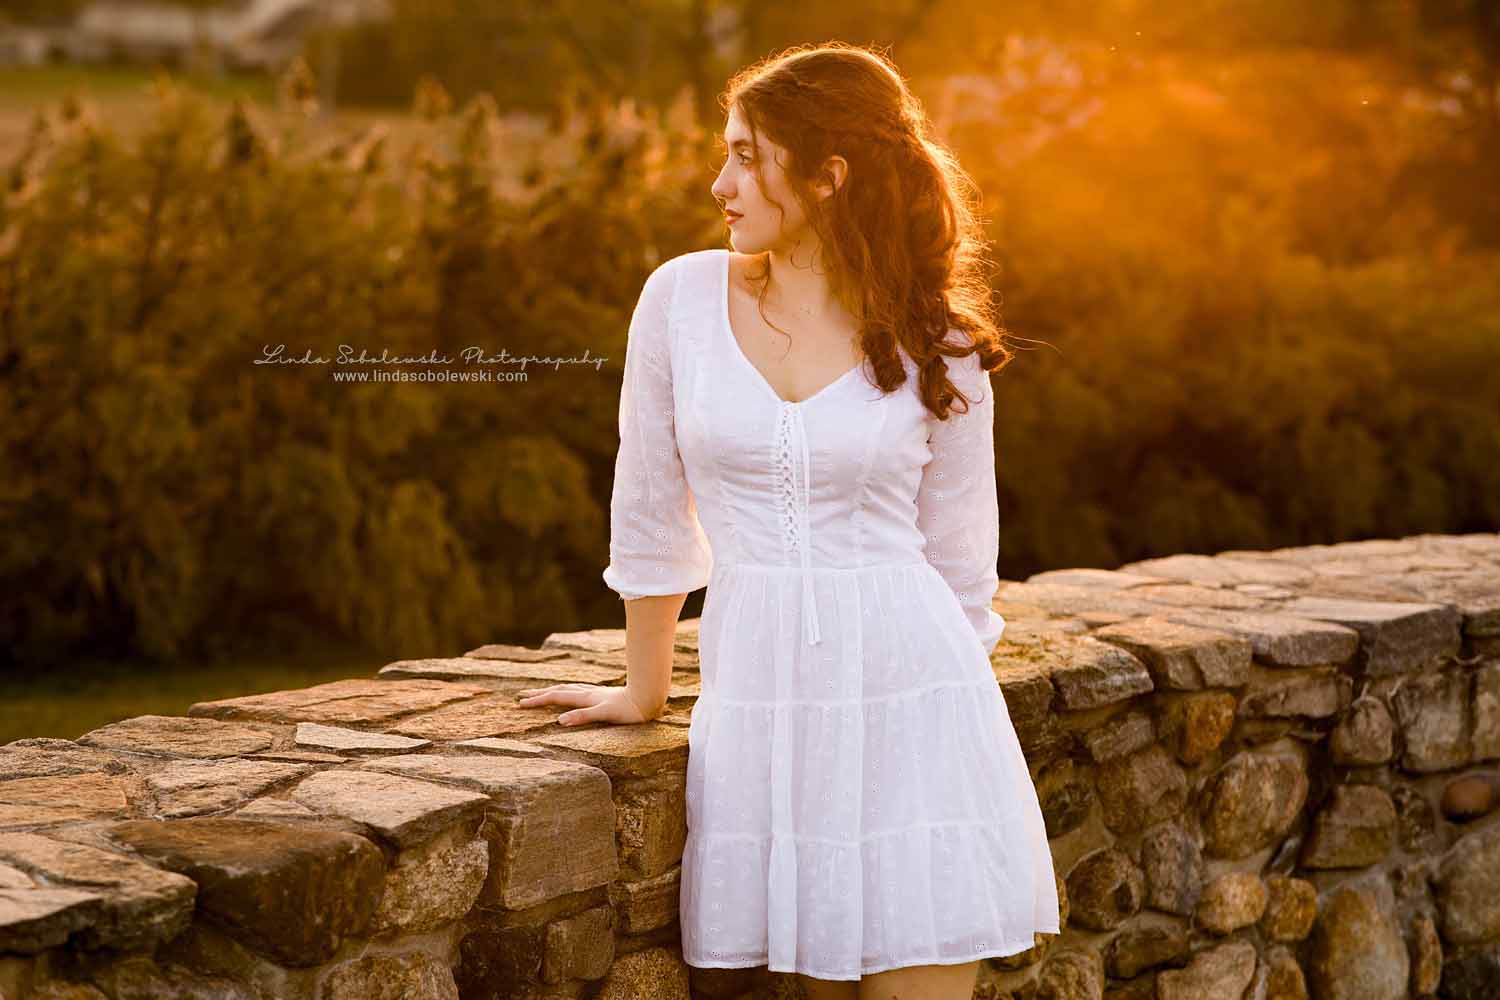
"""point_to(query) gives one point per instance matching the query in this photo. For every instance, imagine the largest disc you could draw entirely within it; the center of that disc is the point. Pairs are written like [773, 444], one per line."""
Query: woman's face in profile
[760, 224]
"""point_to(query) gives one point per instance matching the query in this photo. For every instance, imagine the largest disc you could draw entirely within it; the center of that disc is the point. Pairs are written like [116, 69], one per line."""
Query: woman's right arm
[658, 552]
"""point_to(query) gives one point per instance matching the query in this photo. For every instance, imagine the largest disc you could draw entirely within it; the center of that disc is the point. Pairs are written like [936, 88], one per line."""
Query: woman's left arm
[958, 509]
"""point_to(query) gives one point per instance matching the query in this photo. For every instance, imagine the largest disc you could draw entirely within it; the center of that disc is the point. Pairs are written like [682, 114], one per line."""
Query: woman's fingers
[557, 694]
[578, 715]
[538, 692]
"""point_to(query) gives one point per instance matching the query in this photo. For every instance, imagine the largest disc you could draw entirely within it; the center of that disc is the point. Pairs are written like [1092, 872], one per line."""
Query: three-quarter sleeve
[656, 544]
[957, 504]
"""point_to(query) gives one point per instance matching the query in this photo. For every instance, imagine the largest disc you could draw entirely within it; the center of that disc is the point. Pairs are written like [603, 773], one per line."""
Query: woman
[859, 811]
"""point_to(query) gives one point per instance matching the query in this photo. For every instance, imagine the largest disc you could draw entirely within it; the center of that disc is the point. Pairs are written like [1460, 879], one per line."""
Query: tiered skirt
[861, 804]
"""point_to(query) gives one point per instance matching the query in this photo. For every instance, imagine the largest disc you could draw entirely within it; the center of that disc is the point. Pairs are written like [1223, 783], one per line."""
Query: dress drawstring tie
[801, 488]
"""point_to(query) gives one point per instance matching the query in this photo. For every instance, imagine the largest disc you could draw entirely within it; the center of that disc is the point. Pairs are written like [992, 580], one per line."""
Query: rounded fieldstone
[1284, 978]
[1106, 888]
[1467, 888]
[1291, 907]
[1075, 974]
[1223, 971]
[1251, 802]
[1231, 901]
[1357, 951]
[1134, 950]
[1471, 797]
[1141, 789]
[1066, 795]
[1200, 723]
[1472, 975]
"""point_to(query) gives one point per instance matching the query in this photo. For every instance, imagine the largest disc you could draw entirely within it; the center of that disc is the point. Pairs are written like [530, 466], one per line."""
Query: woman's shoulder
[695, 266]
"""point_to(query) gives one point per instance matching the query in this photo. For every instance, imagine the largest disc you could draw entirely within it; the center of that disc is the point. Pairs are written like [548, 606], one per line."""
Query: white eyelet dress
[857, 800]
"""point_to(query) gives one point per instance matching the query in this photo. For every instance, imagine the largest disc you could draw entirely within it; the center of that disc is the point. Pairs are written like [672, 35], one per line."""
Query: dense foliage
[1257, 302]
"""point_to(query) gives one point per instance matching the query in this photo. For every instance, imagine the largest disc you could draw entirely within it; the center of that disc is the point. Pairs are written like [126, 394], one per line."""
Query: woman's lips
[732, 217]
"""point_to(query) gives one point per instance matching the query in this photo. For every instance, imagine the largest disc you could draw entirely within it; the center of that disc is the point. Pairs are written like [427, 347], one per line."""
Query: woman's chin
[743, 243]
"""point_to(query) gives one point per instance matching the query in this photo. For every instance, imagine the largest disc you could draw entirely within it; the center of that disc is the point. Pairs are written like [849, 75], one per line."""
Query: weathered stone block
[1173, 865]
[1433, 712]
[413, 976]
[651, 974]
[1365, 735]
[1277, 639]
[1306, 694]
[402, 811]
[1486, 712]
[138, 905]
[66, 798]
[431, 885]
[175, 736]
[1182, 657]
[1394, 637]
[651, 824]
[579, 947]
[34, 918]
[553, 666]
[1120, 736]
[291, 892]
[42, 756]
[355, 702]
[492, 715]
[314, 734]
[551, 823]
[191, 788]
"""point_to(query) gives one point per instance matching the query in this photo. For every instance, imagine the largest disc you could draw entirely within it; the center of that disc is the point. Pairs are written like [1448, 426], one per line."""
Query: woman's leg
[922, 982]
[829, 989]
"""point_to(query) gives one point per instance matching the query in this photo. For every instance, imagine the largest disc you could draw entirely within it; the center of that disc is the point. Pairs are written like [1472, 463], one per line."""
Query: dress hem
[999, 951]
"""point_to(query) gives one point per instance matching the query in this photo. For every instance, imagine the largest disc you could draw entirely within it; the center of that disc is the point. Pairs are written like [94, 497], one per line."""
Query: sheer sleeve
[656, 544]
[957, 503]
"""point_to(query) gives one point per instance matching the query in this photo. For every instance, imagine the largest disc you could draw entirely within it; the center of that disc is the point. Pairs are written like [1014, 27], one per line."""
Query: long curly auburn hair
[900, 238]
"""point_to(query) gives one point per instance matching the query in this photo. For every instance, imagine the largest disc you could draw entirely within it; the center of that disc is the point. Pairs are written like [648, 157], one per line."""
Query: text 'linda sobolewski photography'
[472, 364]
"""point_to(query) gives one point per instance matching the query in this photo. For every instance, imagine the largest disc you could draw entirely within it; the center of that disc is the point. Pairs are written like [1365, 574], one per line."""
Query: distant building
[237, 35]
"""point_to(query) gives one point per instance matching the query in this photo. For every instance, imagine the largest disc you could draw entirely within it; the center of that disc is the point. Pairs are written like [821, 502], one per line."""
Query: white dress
[856, 796]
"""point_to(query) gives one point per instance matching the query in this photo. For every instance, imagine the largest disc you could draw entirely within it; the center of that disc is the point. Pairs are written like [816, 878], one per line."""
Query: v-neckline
[739, 352]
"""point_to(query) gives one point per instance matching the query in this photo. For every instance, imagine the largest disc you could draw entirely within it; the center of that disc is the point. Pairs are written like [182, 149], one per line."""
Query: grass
[69, 702]
[123, 99]
[29, 85]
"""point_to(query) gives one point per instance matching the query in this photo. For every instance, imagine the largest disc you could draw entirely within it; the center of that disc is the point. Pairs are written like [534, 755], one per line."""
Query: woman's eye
[744, 162]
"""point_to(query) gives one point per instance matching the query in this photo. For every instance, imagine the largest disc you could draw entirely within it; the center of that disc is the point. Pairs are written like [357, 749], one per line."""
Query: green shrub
[165, 496]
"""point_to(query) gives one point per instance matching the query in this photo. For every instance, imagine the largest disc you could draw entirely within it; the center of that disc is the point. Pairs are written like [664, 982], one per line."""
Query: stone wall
[1264, 775]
